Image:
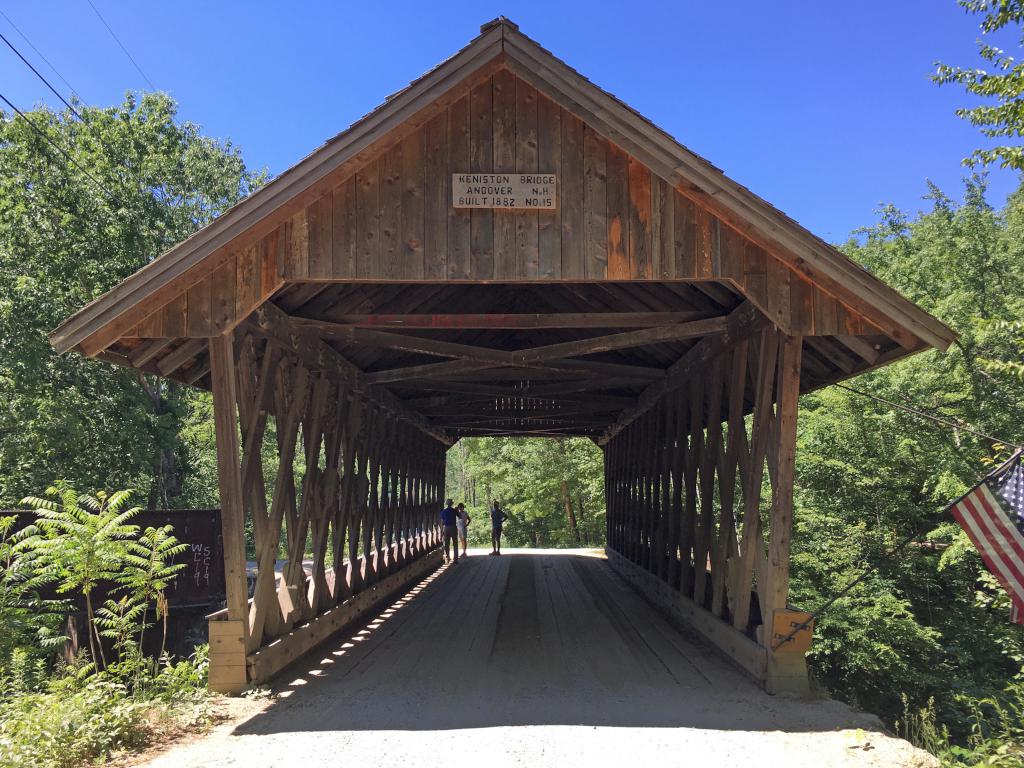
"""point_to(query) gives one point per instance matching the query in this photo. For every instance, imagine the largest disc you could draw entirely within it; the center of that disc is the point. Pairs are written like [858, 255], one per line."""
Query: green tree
[1001, 85]
[552, 490]
[77, 542]
[64, 240]
[930, 623]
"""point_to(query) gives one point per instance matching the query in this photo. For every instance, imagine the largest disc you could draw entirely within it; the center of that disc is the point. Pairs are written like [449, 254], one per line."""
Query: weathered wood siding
[393, 221]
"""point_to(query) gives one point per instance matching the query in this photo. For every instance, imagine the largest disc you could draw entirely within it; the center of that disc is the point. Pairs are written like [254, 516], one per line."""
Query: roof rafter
[550, 355]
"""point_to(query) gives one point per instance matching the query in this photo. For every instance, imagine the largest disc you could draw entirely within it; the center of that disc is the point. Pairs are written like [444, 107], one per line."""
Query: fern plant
[78, 541]
[149, 570]
[28, 621]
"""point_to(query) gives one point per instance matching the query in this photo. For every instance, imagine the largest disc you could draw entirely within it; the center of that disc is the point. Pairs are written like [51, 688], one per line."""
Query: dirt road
[534, 658]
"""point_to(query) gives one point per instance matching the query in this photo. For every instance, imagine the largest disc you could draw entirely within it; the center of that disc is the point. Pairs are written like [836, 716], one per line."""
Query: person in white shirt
[462, 522]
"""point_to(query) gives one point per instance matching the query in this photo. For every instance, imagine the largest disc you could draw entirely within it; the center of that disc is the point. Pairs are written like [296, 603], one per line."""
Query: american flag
[992, 514]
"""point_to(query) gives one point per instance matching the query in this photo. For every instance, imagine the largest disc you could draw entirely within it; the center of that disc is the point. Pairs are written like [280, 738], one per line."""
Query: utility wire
[24, 37]
[845, 590]
[118, 41]
[66, 103]
[37, 74]
[58, 147]
[110, 196]
[888, 556]
[938, 419]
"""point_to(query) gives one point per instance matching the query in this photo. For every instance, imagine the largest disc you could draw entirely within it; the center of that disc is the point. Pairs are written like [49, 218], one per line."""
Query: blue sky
[823, 108]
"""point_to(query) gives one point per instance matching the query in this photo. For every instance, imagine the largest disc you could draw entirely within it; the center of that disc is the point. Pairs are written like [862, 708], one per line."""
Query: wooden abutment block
[227, 656]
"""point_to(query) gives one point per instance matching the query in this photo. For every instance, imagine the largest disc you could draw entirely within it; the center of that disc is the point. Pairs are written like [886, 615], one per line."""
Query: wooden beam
[519, 376]
[561, 414]
[656, 335]
[172, 361]
[618, 370]
[506, 322]
[832, 352]
[194, 374]
[463, 403]
[456, 368]
[515, 421]
[422, 346]
[146, 351]
[478, 358]
[539, 431]
[556, 389]
[625, 340]
[743, 322]
[784, 458]
[426, 371]
[271, 322]
[229, 474]
[861, 346]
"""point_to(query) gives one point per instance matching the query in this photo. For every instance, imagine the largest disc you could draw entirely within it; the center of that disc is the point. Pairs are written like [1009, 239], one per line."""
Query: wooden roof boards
[361, 234]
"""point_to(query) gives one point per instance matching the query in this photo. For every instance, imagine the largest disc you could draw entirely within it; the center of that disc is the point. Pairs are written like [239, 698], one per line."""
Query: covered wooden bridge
[502, 248]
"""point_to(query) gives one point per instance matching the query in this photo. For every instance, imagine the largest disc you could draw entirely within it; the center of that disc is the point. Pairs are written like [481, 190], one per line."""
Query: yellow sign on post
[784, 623]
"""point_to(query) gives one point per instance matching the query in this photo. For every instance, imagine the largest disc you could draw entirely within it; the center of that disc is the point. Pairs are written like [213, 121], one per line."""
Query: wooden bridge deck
[553, 641]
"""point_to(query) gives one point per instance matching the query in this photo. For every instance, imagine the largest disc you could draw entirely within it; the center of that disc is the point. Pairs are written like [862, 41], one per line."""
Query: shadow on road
[537, 638]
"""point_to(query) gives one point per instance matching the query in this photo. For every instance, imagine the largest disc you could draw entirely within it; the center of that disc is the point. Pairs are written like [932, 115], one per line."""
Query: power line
[61, 97]
[118, 41]
[918, 532]
[946, 422]
[64, 152]
[813, 615]
[24, 37]
[37, 74]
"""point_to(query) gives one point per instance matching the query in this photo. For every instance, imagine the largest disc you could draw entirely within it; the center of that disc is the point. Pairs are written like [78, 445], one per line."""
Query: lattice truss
[325, 469]
[700, 487]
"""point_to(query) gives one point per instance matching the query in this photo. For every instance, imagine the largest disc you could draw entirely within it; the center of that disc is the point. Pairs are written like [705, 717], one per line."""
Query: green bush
[70, 724]
[996, 738]
[83, 716]
[116, 699]
[180, 680]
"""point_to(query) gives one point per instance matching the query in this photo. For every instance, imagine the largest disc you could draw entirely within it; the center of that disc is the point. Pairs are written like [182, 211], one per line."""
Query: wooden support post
[787, 666]
[226, 674]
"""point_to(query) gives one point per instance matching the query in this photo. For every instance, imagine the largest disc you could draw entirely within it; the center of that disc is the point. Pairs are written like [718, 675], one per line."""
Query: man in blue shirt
[448, 518]
[498, 518]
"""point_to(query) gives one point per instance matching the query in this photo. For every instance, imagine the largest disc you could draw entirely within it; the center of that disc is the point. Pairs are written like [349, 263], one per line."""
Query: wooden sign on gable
[516, 191]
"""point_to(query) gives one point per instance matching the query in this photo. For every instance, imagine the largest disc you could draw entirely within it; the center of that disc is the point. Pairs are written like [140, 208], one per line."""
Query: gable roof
[500, 44]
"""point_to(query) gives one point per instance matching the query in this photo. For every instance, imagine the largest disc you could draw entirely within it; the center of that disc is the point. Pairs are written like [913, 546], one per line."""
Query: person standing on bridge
[448, 519]
[462, 523]
[498, 518]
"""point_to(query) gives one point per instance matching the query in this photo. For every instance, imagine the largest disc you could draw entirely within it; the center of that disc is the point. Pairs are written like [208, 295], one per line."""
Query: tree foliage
[64, 240]
[552, 490]
[1001, 86]
[931, 623]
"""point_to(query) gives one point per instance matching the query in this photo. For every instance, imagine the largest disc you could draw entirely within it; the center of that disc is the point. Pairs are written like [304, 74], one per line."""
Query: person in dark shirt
[498, 518]
[451, 533]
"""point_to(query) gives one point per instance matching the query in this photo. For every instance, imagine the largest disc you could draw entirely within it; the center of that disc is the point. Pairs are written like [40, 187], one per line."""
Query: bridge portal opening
[364, 311]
